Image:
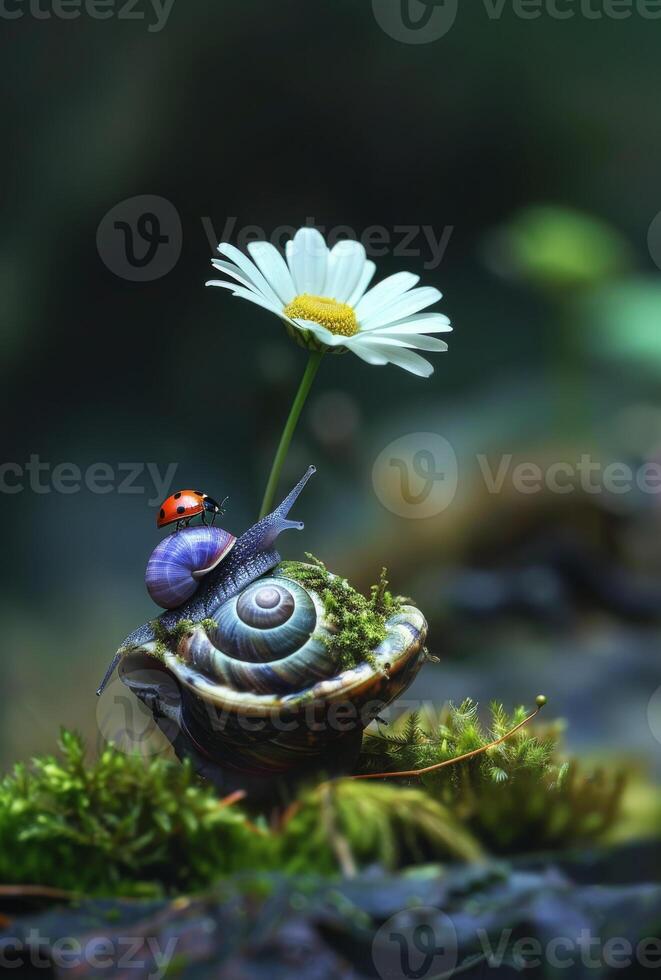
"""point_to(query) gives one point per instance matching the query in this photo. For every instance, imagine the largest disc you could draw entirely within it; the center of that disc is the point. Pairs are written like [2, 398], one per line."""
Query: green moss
[183, 629]
[126, 825]
[162, 638]
[359, 623]
[365, 823]
[522, 795]
[382, 600]
[123, 825]
[168, 640]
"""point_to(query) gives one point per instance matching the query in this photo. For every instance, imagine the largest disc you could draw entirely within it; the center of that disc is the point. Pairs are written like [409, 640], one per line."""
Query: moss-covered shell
[262, 688]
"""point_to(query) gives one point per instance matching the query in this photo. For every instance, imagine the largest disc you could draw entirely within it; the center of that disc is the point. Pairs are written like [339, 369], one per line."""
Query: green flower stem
[314, 361]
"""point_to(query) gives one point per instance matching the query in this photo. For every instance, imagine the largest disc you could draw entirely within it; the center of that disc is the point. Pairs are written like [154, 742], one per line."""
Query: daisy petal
[231, 270]
[322, 334]
[408, 360]
[412, 340]
[307, 257]
[385, 292]
[274, 269]
[345, 267]
[367, 275]
[402, 307]
[246, 294]
[419, 323]
[393, 353]
[411, 362]
[369, 353]
[250, 270]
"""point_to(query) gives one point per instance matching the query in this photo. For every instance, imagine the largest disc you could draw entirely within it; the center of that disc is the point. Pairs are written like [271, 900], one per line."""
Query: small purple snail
[183, 558]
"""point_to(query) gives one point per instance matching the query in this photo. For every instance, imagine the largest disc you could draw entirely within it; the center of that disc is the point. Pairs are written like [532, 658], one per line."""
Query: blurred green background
[535, 141]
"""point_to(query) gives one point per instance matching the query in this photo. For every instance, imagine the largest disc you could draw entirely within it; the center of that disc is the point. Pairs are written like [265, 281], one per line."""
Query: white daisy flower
[323, 297]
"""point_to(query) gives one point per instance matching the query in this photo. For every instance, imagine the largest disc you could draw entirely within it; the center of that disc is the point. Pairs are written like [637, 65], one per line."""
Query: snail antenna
[540, 701]
[274, 523]
[144, 634]
[293, 495]
[110, 671]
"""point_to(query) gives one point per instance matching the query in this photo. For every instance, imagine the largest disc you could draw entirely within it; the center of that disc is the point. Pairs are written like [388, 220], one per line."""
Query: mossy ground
[519, 796]
[123, 825]
[120, 825]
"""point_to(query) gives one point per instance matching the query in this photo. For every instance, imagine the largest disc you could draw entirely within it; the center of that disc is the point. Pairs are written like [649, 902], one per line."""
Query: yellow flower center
[339, 318]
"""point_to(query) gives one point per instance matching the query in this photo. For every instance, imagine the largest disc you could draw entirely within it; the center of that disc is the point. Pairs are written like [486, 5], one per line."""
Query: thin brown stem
[236, 797]
[35, 891]
[409, 773]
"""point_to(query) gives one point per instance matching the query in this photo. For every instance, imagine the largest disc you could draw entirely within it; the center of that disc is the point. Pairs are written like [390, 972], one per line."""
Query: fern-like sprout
[412, 730]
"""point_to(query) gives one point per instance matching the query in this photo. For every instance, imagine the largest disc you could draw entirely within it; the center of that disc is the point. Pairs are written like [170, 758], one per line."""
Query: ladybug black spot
[198, 493]
[177, 495]
[162, 513]
[181, 510]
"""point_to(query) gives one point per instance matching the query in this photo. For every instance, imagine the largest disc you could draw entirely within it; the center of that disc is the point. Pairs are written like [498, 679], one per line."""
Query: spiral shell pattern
[269, 648]
[268, 638]
[179, 561]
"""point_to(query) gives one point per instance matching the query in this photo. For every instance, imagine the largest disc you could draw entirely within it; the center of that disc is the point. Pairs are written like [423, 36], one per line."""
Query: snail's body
[244, 677]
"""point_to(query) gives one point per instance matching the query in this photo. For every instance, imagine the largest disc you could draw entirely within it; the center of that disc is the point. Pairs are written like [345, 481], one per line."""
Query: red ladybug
[184, 505]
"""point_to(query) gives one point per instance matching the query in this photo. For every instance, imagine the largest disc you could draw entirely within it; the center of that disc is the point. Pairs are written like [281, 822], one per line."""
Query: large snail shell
[260, 686]
[179, 562]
